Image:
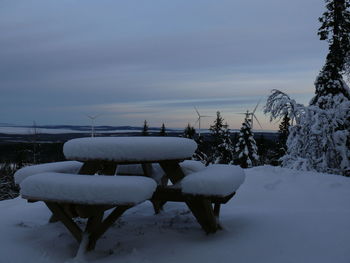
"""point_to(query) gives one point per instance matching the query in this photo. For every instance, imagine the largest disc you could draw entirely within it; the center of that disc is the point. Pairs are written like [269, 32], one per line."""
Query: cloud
[80, 54]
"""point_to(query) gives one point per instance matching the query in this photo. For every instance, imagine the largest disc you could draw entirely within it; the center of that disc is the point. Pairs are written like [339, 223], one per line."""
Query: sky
[136, 60]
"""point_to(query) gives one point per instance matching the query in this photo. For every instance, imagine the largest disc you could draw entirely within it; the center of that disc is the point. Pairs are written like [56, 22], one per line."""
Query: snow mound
[129, 149]
[57, 167]
[88, 189]
[279, 215]
[217, 179]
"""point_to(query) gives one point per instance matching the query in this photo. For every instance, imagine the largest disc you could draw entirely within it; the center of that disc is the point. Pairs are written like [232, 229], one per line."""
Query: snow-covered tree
[315, 141]
[200, 154]
[335, 28]
[145, 129]
[246, 149]
[162, 131]
[320, 138]
[222, 147]
[224, 151]
[318, 143]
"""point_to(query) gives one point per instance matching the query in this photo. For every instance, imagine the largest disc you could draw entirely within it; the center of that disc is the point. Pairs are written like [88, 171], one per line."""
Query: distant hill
[60, 133]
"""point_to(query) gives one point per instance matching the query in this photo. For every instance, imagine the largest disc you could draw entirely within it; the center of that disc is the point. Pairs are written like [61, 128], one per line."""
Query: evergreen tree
[200, 154]
[320, 139]
[217, 129]
[162, 131]
[283, 134]
[222, 147]
[189, 132]
[246, 149]
[330, 86]
[145, 129]
[263, 148]
[224, 153]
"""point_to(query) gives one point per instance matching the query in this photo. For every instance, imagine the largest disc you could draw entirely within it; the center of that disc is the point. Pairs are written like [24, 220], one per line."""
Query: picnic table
[103, 155]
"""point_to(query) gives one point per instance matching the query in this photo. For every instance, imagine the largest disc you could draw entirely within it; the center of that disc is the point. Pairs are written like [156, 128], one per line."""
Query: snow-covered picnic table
[94, 189]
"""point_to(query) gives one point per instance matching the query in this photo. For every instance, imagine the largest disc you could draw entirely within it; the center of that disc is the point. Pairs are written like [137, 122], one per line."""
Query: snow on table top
[58, 167]
[88, 189]
[129, 149]
[217, 179]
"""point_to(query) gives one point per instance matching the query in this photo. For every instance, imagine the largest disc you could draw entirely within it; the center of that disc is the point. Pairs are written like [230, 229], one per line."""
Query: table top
[129, 149]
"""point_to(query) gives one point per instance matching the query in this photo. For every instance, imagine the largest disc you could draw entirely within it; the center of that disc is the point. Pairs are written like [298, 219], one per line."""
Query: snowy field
[278, 216]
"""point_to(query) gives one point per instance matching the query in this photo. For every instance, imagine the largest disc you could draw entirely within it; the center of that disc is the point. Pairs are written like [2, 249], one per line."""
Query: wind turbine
[251, 115]
[199, 120]
[92, 118]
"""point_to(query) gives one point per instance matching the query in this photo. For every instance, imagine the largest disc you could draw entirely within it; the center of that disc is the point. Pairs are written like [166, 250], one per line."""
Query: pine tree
[145, 129]
[325, 126]
[246, 149]
[330, 86]
[189, 132]
[222, 147]
[162, 131]
[217, 128]
[224, 153]
[283, 134]
[320, 139]
[263, 150]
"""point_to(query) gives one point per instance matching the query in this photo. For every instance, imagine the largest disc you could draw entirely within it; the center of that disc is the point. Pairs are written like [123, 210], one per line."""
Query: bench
[213, 185]
[87, 196]
[72, 167]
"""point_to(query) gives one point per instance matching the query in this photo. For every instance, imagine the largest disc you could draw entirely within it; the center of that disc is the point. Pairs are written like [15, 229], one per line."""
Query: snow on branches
[222, 149]
[246, 148]
[279, 104]
[319, 140]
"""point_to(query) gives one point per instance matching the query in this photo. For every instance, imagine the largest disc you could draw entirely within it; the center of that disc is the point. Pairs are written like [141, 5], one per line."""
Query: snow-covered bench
[215, 180]
[215, 184]
[72, 167]
[87, 196]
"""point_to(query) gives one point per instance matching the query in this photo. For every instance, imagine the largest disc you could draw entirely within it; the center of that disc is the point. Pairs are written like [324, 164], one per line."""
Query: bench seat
[88, 189]
[214, 180]
[72, 167]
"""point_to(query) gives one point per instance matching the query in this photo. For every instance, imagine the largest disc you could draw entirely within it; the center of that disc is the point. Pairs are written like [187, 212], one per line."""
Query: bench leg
[95, 227]
[91, 227]
[203, 212]
[100, 227]
[59, 213]
[217, 209]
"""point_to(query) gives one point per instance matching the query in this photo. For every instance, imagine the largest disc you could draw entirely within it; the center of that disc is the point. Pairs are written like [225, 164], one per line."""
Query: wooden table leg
[172, 170]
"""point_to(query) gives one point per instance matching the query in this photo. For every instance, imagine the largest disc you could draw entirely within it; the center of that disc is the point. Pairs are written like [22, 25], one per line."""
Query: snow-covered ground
[278, 216]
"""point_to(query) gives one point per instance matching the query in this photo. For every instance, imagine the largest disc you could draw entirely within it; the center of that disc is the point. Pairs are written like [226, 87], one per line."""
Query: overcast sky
[133, 60]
